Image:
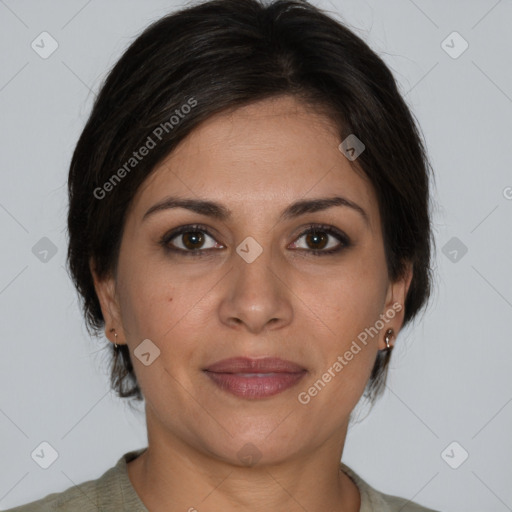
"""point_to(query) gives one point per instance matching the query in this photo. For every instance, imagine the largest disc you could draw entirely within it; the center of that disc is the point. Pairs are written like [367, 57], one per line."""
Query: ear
[106, 292]
[394, 310]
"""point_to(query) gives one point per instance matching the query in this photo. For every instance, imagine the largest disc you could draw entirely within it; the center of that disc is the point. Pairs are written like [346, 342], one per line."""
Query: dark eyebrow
[222, 213]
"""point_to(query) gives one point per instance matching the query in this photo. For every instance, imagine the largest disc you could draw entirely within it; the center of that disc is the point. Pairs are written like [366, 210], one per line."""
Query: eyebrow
[222, 213]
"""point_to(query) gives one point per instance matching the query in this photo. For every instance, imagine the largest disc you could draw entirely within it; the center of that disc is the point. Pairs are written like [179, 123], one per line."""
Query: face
[254, 283]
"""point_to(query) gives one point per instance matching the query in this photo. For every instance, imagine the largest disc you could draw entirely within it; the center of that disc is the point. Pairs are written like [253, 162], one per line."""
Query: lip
[250, 365]
[255, 378]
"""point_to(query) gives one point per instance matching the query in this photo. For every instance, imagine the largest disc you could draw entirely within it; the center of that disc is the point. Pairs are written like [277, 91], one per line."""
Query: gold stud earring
[116, 347]
[387, 338]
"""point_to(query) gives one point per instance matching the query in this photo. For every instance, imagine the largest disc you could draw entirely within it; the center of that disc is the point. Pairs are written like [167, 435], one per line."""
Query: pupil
[316, 238]
[196, 239]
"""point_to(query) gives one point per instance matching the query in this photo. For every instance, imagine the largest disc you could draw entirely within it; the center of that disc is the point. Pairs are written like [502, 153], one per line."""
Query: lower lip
[268, 384]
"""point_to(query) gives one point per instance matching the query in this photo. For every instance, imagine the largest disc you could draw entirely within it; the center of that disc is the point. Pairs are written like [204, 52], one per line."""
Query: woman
[249, 225]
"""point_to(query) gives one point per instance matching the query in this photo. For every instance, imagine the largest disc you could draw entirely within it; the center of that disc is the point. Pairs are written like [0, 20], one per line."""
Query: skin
[287, 303]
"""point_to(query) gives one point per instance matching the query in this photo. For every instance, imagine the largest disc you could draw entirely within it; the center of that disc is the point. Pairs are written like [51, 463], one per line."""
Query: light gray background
[450, 376]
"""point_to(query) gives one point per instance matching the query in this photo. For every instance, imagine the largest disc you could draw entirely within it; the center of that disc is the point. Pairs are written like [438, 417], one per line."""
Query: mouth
[255, 378]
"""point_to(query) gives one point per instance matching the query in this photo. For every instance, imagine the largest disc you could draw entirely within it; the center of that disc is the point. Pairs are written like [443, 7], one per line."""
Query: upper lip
[249, 365]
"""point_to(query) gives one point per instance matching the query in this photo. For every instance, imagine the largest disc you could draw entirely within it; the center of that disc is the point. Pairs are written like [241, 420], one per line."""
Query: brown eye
[189, 240]
[317, 240]
[192, 239]
[320, 240]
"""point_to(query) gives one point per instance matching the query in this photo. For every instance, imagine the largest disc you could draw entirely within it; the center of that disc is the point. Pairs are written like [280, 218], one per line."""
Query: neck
[173, 476]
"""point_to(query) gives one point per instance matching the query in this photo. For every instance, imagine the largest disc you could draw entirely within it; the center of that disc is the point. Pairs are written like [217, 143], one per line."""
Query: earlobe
[395, 304]
[106, 292]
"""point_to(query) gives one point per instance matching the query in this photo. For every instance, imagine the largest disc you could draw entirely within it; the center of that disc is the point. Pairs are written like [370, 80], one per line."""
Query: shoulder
[395, 503]
[82, 498]
[374, 501]
[105, 493]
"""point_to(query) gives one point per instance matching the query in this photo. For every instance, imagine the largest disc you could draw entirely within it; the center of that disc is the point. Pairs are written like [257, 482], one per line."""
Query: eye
[189, 240]
[317, 240]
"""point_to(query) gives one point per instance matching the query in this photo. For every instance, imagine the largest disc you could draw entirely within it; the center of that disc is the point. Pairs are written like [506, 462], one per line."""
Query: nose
[256, 296]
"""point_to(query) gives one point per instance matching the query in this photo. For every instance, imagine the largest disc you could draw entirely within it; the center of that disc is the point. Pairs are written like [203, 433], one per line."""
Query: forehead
[259, 158]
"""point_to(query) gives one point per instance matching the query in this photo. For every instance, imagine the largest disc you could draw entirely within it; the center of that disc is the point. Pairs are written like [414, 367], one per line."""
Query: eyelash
[322, 228]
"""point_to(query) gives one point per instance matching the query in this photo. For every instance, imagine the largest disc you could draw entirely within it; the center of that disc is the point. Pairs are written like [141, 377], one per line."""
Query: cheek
[164, 305]
[368, 282]
[147, 298]
[351, 298]
[349, 304]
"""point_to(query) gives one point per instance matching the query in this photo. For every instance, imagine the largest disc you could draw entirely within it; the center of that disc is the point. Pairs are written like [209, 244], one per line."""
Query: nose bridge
[254, 271]
[253, 252]
[257, 295]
